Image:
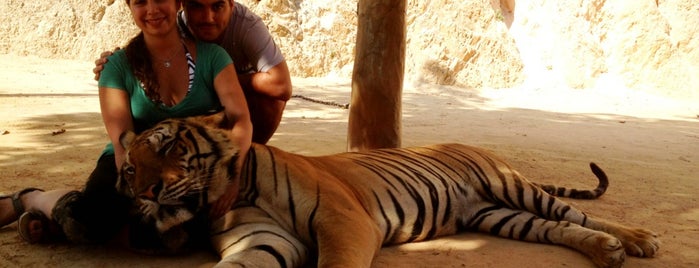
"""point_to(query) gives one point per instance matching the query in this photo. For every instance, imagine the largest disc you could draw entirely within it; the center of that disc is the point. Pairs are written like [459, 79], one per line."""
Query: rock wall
[66, 29]
[646, 44]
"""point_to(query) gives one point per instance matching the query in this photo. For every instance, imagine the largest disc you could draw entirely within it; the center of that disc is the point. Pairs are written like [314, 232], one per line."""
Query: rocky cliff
[651, 45]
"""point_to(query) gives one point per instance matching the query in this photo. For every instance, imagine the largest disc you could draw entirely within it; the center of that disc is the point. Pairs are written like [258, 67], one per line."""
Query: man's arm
[266, 94]
[274, 83]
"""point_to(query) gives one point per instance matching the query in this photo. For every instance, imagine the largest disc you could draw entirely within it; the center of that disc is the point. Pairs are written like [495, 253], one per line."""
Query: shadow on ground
[645, 158]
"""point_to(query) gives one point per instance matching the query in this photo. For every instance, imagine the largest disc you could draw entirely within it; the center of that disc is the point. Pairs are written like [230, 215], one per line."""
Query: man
[262, 70]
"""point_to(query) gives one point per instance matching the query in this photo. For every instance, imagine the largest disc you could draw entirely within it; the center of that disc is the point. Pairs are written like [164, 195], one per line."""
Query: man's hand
[99, 63]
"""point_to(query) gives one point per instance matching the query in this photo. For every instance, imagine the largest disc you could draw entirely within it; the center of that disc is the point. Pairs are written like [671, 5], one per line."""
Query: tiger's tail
[580, 194]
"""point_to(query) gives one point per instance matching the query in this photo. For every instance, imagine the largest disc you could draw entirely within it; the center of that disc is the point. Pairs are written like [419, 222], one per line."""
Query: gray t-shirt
[247, 40]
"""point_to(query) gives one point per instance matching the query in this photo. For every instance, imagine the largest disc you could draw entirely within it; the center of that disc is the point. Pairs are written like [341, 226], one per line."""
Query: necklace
[168, 62]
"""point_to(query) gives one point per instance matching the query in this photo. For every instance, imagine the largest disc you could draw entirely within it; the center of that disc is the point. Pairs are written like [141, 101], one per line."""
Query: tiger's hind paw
[640, 242]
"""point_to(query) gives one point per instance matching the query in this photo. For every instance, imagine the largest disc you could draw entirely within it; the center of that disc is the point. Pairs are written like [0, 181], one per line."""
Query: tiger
[339, 210]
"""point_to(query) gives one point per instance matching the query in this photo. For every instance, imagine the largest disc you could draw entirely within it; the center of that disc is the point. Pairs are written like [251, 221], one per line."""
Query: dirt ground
[51, 135]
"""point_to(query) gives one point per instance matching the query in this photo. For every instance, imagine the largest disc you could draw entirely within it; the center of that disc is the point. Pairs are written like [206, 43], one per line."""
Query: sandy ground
[648, 145]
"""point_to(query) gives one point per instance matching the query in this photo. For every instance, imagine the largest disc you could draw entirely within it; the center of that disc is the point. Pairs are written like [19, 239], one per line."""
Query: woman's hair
[139, 59]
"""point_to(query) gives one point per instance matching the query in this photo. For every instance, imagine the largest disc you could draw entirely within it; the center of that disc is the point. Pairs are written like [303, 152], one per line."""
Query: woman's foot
[11, 206]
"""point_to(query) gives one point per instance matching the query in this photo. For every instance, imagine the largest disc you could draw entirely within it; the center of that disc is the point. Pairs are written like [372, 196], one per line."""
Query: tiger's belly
[421, 214]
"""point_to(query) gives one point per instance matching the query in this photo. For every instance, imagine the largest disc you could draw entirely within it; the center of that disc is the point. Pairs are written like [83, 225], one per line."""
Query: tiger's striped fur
[344, 207]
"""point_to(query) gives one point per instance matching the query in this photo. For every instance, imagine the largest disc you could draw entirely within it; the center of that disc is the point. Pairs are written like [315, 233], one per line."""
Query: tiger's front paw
[611, 252]
[175, 239]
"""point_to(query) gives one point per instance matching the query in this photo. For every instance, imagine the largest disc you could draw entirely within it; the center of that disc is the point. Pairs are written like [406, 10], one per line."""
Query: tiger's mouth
[167, 213]
[165, 217]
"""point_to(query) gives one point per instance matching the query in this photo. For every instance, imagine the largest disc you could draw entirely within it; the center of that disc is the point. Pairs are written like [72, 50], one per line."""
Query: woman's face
[155, 17]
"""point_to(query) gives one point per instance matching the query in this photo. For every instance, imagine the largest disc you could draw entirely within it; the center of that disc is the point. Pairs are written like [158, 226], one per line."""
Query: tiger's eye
[129, 170]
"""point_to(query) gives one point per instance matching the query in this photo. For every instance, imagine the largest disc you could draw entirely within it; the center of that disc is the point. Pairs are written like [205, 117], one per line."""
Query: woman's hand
[225, 202]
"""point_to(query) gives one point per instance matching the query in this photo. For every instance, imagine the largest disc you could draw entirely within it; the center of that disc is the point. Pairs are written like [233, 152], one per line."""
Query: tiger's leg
[346, 241]
[636, 241]
[604, 249]
[248, 237]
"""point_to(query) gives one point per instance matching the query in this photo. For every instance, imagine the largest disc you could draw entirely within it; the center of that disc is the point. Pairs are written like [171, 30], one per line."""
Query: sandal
[17, 202]
[25, 229]
[47, 231]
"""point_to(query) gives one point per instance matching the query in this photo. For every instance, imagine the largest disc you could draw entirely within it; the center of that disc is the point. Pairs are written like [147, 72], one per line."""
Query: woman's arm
[116, 115]
[236, 109]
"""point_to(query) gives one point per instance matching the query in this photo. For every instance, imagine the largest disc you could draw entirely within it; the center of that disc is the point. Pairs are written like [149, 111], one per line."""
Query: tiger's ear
[127, 138]
[216, 119]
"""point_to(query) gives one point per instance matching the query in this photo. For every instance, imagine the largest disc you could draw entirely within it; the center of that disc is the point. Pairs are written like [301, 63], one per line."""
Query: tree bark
[377, 78]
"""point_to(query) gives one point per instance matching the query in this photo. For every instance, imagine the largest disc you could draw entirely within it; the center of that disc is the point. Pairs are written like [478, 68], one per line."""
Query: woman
[159, 75]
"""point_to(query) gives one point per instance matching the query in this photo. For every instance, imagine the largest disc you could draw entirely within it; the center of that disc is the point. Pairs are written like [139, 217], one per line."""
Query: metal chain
[329, 103]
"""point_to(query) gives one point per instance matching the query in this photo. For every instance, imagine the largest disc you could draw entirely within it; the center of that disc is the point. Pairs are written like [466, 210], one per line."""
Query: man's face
[207, 19]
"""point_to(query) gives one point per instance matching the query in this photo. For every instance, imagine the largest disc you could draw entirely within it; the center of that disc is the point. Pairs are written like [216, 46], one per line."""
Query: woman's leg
[30, 200]
[94, 215]
[98, 213]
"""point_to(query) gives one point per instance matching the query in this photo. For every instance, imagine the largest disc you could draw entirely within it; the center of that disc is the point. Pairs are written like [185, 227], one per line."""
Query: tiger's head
[178, 167]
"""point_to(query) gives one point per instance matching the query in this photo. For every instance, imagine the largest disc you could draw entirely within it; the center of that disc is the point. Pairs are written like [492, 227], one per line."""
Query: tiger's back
[411, 194]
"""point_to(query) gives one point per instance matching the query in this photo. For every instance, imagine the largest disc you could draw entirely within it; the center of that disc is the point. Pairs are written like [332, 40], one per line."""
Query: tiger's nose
[151, 192]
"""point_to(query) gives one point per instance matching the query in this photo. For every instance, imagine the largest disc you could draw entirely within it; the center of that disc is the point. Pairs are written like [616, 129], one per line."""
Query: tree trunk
[377, 78]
